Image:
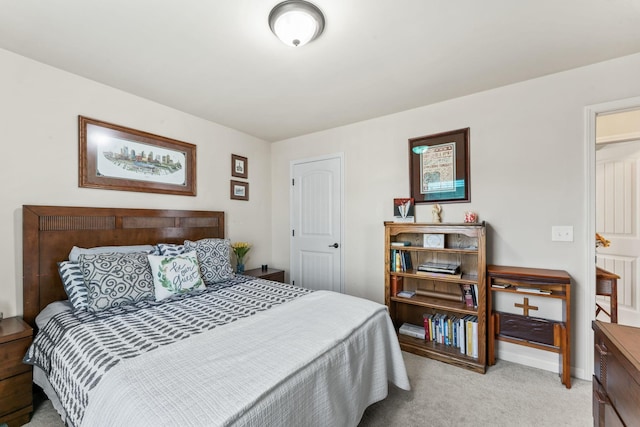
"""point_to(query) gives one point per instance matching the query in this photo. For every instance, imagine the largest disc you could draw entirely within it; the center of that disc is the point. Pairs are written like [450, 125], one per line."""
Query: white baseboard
[535, 358]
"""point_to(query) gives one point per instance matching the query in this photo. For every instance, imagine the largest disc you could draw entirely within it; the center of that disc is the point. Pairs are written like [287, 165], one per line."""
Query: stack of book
[437, 267]
[412, 330]
[440, 269]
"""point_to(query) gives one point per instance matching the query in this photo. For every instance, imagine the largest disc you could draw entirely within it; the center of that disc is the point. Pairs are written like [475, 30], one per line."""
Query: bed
[232, 351]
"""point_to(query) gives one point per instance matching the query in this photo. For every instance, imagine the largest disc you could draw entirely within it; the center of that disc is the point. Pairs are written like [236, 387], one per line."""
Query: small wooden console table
[543, 334]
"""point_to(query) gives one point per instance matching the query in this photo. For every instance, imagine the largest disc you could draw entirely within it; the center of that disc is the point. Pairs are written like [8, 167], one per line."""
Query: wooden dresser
[616, 379]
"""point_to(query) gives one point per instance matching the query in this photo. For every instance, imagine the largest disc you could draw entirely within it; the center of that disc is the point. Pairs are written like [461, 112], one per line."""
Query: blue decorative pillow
[175, 274]
[116, 279]
[73, 284]
[170, 249]
[214, 257]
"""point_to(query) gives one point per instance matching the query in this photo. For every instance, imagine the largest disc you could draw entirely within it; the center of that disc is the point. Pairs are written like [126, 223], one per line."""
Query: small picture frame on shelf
[434, 241]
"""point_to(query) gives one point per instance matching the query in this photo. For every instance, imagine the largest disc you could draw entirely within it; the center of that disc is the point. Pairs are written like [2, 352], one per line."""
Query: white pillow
[175, 274]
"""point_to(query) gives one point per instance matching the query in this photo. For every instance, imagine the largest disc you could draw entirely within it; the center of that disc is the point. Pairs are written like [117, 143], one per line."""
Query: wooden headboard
[49, 233]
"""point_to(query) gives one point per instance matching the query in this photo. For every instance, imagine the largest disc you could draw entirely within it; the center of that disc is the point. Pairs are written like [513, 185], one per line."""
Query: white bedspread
[319, 360]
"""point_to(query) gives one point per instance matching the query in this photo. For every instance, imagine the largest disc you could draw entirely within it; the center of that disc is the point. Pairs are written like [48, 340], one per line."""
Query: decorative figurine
[470, 217]
[435, 212]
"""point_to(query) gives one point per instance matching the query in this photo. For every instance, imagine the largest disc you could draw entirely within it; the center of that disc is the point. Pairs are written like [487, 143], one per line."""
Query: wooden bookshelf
[465, 246]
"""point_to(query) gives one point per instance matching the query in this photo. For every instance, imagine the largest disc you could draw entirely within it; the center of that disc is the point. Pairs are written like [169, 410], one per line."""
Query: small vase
[240, 268]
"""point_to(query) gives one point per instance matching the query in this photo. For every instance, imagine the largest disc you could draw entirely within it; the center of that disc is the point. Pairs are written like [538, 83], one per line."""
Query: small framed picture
[434, 241]
[239, 190]
[239, 166]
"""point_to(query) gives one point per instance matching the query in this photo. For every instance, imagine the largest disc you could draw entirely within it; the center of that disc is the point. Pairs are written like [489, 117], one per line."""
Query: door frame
[343, 236]
[590, 113]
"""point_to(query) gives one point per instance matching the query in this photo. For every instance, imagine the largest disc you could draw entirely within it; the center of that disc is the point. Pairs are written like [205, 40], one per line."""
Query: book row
[448, 330]
[400, 260]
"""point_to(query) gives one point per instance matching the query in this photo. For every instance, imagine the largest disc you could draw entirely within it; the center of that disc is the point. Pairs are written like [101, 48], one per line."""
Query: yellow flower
[240, 249]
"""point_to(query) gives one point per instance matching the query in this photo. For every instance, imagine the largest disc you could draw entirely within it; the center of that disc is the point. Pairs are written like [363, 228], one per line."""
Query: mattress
[243, 352]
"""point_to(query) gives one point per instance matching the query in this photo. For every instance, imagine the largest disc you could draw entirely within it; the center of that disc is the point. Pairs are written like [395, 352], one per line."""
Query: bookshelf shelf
[439, 295]
[439, 352]
[436, 304]
[441, 278]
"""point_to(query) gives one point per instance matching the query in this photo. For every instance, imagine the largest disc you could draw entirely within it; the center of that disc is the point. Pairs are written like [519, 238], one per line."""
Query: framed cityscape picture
[113, 157]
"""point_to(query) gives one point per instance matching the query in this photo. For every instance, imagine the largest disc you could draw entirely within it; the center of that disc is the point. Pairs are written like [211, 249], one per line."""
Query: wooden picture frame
[439, 167]
[113, 157]
[239, 166]
[239, 190]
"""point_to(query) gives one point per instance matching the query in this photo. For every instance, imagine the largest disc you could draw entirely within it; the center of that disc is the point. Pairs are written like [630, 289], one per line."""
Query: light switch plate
[562, 233]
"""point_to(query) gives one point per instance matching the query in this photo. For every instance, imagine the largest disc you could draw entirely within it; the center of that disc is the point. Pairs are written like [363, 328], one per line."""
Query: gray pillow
[76, 251]
[73, 283]
[116, 279]
[170, 249]
[214, 257]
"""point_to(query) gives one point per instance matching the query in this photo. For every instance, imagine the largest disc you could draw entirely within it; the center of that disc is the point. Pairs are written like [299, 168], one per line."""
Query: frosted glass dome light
[296, 22]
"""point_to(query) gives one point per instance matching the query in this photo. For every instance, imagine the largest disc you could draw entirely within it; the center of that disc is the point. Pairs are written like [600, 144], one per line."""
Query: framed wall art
[239, 166]
[239, 190]
[114, 157]
[439, 167]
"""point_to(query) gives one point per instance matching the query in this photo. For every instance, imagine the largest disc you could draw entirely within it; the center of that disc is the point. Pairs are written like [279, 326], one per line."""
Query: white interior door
[618, 220]
[316, 224]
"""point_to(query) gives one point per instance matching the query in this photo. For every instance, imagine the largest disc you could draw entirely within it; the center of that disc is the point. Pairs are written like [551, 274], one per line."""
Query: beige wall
[528, 173]
[39, 107]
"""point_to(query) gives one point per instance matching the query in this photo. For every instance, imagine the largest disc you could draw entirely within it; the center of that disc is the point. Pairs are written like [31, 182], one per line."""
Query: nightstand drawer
[268, 274]
[15, 393]
[276, 277]
[11, 354]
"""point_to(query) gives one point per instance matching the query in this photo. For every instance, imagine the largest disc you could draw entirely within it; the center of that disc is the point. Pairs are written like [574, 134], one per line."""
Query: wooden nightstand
[16, 398]
[269, 274]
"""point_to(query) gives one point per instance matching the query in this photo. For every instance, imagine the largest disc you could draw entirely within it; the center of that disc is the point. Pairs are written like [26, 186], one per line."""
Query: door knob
[335, 245]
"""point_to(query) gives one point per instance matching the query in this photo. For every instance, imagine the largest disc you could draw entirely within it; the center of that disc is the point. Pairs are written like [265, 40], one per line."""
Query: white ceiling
[218, 60]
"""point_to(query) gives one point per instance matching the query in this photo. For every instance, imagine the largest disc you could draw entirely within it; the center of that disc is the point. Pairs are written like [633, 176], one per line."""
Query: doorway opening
[591, 115]
[617, 194]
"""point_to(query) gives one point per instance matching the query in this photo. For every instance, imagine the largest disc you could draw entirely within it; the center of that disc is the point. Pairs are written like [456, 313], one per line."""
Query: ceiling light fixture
[296, 22]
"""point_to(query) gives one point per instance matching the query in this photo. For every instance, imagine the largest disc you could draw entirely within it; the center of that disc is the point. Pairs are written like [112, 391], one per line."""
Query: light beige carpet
[443, 395]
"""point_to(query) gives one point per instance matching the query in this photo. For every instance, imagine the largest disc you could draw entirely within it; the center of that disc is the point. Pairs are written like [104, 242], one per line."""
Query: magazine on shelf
[533, 290]
[406, 294]
[436, 267]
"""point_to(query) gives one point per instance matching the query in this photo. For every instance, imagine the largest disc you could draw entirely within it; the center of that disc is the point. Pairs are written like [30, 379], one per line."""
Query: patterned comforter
[75, 350]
